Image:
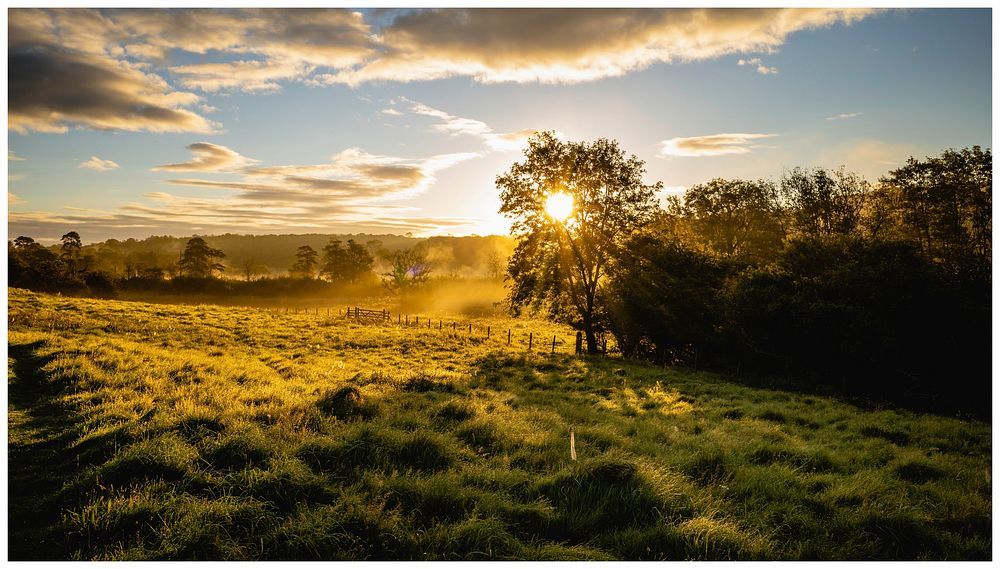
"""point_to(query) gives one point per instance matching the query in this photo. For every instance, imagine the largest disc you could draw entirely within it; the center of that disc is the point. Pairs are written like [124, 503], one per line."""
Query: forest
[818, 280]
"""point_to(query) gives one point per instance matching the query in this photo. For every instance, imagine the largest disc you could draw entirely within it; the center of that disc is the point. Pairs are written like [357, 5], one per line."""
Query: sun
[559, 206]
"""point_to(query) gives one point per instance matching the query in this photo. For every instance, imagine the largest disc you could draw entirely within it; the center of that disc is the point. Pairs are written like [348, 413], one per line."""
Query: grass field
[143, 431]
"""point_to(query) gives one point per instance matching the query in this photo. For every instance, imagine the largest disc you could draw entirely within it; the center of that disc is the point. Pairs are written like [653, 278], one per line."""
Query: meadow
[146, 431]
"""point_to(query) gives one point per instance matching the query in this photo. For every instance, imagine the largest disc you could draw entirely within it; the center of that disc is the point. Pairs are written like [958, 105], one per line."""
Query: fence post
[470, 328]
[531, 336]
[553, 344]
[453, 325]
[418, 321]
[579, 342]
[440, 324]
[487, 332]
[407, 319]
[508, 336]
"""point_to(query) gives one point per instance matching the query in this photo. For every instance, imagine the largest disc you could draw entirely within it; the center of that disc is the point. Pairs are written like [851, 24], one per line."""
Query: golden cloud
[573, 45]
[711, 145]
[98, 164]
[208, 157]
[51, 89]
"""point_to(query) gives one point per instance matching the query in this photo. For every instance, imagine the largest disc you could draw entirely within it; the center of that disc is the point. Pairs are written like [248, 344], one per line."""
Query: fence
[362, 314]
[359, 314]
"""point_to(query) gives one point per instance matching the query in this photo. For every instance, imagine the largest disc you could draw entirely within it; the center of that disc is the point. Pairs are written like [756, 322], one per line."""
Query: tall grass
[140, 431]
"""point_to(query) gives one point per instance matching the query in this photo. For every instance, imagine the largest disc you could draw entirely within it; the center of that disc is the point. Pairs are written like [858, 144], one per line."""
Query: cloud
[109, 68]
[208, 157]
[350, 192]
[761, 68]
[454, 125]
[11, 157]
[51, 89]
[573, 45]
[98, 164]
[843, 116]
[711, 145]
[351, 176]
[451, 124]
[391, 112]
[91, 68]
[245, 76]
[282, 43]
[12, 199]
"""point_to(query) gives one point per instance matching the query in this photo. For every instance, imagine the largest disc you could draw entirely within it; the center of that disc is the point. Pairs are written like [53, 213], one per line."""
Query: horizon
[53, 242]
[131, 123]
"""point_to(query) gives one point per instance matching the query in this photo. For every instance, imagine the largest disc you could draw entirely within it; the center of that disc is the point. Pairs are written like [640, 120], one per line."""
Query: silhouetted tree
[562, 263]
[348, 264]
[664, 299]
[70, 251]
[824, 204]
[198, 258]
[735, 219]
[306, 261]
[495, 265]
[946, 206]
[30, 265]
[252, 269]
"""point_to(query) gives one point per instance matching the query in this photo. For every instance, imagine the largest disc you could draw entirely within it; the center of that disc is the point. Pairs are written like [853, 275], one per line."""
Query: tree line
[200, 269]
[818, 280]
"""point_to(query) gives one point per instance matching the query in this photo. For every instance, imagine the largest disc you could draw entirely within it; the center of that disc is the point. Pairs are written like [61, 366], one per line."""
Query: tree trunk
[588, 331]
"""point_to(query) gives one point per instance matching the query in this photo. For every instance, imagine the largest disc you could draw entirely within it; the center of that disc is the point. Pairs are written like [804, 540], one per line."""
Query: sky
[130, 123]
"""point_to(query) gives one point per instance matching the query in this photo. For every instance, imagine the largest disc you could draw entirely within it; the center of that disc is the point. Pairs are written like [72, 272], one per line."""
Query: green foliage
[945, 204]
[823, 282]
[408, 269]
[823, 204]
[561, 263]
[30, 265]
[158, 432]
[732, 218]
[665, 299]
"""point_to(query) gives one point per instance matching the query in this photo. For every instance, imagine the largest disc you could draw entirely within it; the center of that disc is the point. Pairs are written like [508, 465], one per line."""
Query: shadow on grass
[40, 431]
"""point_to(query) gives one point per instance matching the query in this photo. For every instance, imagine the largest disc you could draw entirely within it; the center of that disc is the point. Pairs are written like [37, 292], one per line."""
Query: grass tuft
[346, 403]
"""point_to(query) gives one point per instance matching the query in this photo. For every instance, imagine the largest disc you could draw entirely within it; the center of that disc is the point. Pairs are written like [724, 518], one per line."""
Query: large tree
[198, 259]
[410, 267]
[564, 247]
[823, 203]
[737, 219]
[348, 264]
[946, 205]
[306, 261]
[70, 251]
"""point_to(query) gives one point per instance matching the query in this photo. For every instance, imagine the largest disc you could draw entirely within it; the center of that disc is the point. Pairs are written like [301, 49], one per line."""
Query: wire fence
[506, 336]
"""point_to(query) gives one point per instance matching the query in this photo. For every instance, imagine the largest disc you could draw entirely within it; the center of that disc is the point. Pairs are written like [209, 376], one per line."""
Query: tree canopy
[306, 261]
[561, 263]
[198, 259]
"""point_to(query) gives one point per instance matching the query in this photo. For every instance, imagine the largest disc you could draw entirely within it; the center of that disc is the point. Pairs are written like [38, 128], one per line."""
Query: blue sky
[134, 123]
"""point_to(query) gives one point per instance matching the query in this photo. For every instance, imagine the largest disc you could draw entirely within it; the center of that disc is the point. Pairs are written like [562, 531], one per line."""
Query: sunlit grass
[141, 431]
